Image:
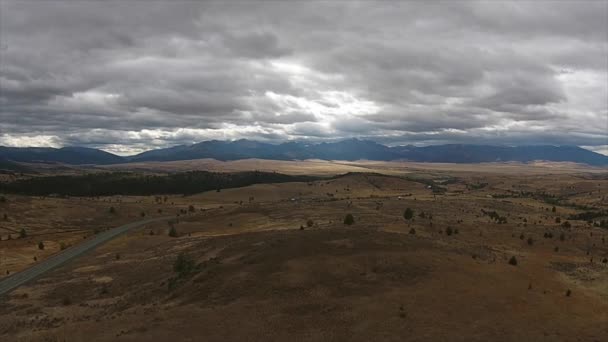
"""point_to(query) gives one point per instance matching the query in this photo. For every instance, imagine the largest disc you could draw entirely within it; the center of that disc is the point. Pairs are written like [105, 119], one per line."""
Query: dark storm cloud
[129, 76]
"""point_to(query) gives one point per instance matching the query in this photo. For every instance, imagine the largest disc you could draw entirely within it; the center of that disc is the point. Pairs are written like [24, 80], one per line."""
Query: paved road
[12, 282]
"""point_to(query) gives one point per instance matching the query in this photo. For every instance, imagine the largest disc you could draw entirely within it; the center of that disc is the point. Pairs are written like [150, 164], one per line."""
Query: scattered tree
[183, 265]
[408, 214]
[349, 219]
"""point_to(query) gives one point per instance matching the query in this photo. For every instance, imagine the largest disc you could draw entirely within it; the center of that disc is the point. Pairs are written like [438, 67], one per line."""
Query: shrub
[2, 199]
[183, 265]
[448, 231]
[558, 220]
[568, 293]
[530, 241]
[22, 233]
[566, 224]
[553, 209]
[413, 231]
[408, 214]
[142, 214]
[349, 219]
[513, 261]
[40, 245]
[5, 217]
[605, 260]
[66, 301]
[62, 245]
[173, 232]
[112, 210]
[117, 257]
[191, 208]
[521, 236]
[309, 223]
[562, 237]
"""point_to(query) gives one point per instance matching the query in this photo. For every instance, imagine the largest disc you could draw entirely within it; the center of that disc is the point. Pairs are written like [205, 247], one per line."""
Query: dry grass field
[276, 262]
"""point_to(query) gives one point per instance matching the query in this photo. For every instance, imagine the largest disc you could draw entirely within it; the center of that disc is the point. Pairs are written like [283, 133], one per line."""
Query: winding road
[12, 282]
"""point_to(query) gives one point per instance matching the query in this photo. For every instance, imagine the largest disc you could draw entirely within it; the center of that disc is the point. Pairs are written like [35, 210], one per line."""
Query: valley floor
[275, 262]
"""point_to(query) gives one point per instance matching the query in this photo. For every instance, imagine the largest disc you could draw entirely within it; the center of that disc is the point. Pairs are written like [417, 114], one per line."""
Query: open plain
[490, 252]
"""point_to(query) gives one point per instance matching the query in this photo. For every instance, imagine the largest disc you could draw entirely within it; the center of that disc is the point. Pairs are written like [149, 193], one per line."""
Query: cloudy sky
[136, 75]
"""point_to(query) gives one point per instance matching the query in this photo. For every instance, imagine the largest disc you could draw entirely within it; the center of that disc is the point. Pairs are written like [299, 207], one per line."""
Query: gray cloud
[130, 76]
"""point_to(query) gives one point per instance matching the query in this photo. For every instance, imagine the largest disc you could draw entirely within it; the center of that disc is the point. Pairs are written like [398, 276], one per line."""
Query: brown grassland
[276, 262]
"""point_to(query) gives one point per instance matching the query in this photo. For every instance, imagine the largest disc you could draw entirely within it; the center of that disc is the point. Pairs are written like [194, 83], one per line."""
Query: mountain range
[351, 149]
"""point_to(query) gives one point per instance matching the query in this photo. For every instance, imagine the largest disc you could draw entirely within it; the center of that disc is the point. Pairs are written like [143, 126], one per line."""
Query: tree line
[124, 183]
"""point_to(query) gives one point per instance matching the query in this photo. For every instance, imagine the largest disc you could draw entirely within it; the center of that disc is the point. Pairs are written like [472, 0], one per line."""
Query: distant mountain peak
[348, 149]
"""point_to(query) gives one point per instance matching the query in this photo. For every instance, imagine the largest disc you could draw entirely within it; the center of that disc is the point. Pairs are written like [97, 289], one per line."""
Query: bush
[63, 246]
[530, 241]
[566, 224]
[448, 231]
[183, 265]
[66, 301]
[5, 216]
[173, 232]
[40, 245]
[513, 261]
[408, 214]
[568, 293]
[191, 208]
[112, 210]
[22, 233]
[309, 223]
[413, 231]
[349, 219]
[562, 237]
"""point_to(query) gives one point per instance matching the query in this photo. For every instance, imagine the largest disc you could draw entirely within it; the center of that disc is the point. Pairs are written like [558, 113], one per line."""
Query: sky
[137, 75]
